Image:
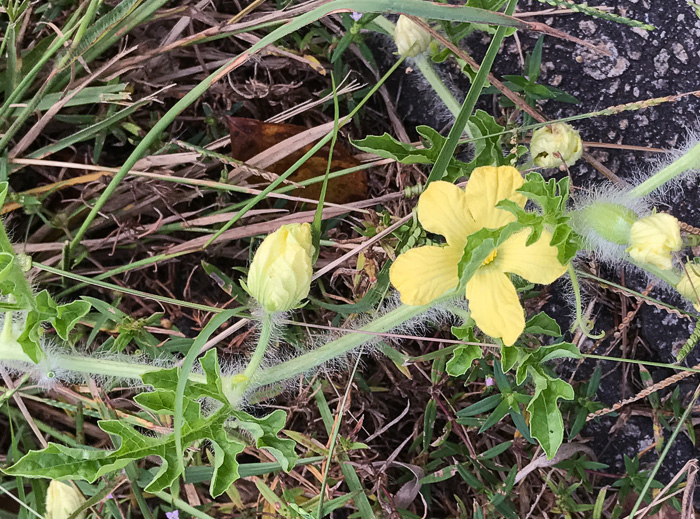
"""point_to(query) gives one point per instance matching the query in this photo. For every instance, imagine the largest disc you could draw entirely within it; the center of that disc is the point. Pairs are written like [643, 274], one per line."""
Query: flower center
[490, 257]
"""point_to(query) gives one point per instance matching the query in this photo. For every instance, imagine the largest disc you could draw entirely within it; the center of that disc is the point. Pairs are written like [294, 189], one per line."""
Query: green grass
[110, 169]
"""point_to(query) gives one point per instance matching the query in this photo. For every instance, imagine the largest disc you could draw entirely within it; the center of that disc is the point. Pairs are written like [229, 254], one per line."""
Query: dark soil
[641, 65]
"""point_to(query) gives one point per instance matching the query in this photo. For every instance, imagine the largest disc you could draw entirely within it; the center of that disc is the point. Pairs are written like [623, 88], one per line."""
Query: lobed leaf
[226, 430]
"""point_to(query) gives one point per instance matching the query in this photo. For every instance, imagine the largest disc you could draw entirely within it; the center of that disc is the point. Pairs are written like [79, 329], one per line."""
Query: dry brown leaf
[250, 137]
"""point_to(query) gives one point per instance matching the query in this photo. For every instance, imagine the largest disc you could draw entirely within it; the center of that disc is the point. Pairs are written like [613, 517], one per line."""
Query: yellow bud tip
[279, 277]
[689, 285]
[410, 38]
[654, 238]
[554, 143]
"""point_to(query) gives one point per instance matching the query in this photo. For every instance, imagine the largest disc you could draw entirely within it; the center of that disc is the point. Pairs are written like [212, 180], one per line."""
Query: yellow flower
[410, 38]
[689, 285]
[62, 500]
[653, 238]
[280, 274]
[425, 273]
[556, 139]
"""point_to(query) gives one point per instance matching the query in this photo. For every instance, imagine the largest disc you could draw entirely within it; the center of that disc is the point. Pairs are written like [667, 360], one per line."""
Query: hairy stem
[11, 352]
[240, 383]
[428, 72]
[339, 347]
[689, 160]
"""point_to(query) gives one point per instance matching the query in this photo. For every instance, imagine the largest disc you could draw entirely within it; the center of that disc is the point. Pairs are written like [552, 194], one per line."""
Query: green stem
[240, 383]
[671, 277]
[580, 321]
[105, 367]
[10, 351]
[689, 160]
[439, 87]
[427, 70]
[342, 346]
[460, 125]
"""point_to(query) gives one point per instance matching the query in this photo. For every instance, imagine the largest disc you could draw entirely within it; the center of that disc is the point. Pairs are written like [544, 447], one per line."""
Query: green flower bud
[62, 500]
[610, 221]
[553, 140]
[280, 274]
[410, 38]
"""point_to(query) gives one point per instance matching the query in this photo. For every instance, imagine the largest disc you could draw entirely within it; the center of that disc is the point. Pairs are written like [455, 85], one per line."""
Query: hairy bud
[411, 39]
[612, 222]
[280, 274]
[555, 142]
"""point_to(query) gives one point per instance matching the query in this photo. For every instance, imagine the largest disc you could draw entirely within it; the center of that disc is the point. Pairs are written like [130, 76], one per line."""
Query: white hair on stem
[668, 192]
[438, 315]
[602, 249]
[53, 368]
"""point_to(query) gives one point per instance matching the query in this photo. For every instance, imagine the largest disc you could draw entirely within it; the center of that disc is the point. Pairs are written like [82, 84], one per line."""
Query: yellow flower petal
[62, 500]
[654, 238]
[537, 263]
[487, 186]
[442, 209]
[494, 305]
[423, 274]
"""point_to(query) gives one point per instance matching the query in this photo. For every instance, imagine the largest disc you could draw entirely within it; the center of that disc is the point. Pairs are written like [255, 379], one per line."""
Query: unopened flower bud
[654, 238]
[411, 39]
[280, 274]
[612, 222]
[689, 285]
[62, 500]
[554, 143]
